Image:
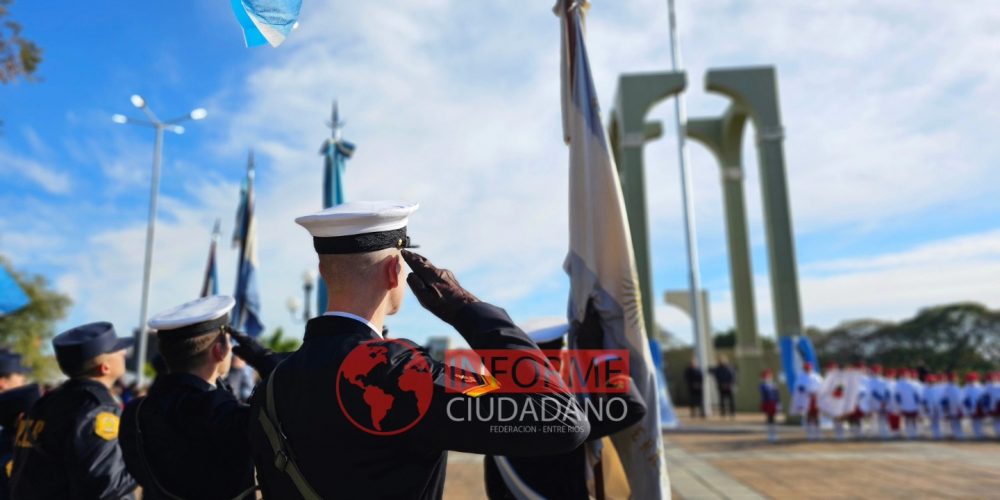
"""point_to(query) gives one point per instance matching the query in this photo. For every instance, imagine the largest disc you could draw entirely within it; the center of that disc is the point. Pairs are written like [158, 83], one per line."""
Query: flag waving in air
[600, 262]
[246, 313]
[266, 21]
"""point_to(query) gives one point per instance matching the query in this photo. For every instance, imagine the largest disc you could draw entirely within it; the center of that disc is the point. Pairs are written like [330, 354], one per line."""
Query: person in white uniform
[933, 398]
[878, 391]
[952, 404]
[908, 399]
[804, 400]
[972, 404]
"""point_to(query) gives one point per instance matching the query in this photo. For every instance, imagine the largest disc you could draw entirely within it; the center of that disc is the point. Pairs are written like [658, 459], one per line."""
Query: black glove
[590, 334]
[256, 355]
[436, 289]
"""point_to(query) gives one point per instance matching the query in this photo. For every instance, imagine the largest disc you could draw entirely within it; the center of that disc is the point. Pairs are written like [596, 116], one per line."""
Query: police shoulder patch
[106, 425]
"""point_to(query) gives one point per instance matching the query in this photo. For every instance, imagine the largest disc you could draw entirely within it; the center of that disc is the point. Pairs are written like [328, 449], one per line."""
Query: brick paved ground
[733, 460]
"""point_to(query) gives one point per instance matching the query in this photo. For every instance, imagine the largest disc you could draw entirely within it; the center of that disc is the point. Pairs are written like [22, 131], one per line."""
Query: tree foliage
[963, 336]
[278, 343]
[19, 57]
[29, 330]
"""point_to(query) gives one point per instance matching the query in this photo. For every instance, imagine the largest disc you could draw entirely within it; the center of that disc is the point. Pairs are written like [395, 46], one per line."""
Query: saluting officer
[188, 438]
[337, 416]
[67, 444]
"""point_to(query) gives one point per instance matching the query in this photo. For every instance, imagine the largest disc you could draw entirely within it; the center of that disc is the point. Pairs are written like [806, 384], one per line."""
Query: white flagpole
[690, 233]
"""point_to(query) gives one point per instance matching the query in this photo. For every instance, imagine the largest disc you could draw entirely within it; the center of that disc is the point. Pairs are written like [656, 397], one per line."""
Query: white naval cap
[359, 226]
[194, 318]
[548, 334]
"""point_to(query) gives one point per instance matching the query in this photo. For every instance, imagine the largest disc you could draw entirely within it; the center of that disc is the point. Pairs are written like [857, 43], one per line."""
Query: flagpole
[690, 231]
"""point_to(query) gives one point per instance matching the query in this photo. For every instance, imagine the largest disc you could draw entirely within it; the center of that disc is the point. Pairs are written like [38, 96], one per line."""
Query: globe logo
[381, 401]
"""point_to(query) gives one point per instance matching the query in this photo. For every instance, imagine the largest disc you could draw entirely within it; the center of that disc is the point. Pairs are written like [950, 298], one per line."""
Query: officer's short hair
[89, 368]
[185, 354]
[349, 270]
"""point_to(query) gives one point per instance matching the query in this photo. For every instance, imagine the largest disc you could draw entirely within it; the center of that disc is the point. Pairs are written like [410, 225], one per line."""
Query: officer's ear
[393, 269]
[220, 349]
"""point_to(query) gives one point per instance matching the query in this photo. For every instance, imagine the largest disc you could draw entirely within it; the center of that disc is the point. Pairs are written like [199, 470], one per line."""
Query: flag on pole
[210, 285]
[12, 297]
[600, 262]
[336, 151]
[796, 351]
[266, 21]
[246, 313]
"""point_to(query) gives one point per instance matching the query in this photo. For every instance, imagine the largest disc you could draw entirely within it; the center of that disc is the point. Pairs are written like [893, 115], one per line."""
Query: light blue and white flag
[795, 352]
[12, 297]
[266, 21]
[246, 313]
[600, 262]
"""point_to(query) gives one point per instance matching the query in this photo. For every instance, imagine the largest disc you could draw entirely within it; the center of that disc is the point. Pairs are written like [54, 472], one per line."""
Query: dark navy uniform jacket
[66, 446]
[13, 404]
[340, 460]
[194, 439]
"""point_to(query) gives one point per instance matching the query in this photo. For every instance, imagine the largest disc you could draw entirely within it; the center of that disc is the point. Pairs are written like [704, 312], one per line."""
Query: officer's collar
[337, 325]
[94, 387]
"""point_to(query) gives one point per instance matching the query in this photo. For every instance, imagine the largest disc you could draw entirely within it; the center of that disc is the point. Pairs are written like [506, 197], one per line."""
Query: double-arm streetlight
[172, 125]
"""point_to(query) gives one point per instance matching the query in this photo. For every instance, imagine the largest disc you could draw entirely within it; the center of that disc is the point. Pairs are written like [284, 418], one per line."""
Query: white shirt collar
[355, 317]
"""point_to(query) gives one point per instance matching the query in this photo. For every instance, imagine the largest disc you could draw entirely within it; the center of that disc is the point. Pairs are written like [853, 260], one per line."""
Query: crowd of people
[890, 403]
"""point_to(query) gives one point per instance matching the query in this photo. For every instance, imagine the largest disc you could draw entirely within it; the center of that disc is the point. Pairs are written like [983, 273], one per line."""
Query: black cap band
[191, 331]
[361, 243]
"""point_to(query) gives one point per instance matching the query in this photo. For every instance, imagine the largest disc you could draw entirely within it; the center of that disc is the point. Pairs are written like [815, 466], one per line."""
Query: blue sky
[887, 108]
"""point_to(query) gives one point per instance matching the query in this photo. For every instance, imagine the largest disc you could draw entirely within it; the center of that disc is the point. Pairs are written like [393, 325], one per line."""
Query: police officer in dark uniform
[333, 416]
[188, 437]
[16, 398]
[67, 444]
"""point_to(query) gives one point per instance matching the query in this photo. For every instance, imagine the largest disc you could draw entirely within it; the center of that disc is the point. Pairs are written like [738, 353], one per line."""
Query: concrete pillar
[629, 132]
[723, 136]
[755, 90]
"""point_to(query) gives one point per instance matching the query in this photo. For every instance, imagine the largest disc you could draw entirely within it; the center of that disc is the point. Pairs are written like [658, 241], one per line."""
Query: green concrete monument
[723, 136]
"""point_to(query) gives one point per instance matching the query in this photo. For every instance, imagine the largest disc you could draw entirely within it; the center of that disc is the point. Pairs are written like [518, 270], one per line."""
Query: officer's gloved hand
[255, 354]
[436, 289]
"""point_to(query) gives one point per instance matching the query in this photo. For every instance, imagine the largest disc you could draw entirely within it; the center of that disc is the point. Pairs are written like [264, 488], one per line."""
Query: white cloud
[51, 180]
[888, 286]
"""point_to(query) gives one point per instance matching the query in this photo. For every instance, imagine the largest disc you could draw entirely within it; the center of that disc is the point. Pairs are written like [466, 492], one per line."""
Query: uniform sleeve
[497, 422]
[614, 411]
[95, 465]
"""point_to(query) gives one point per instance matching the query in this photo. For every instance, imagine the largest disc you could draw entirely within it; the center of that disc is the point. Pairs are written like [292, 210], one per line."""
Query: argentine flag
[246, 313]
[600, 261]
[266, 21]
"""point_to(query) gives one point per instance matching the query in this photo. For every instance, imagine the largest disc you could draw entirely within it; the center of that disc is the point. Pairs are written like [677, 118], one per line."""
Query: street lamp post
[172, 126]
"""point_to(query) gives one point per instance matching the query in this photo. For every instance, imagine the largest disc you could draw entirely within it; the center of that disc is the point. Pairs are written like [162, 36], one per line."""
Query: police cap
[78, 345]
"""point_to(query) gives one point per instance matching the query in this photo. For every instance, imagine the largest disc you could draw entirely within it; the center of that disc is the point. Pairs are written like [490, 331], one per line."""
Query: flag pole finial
[335, 123]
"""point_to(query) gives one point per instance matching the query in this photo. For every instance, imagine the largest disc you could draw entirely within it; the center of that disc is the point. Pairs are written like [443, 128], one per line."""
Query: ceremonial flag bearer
[188, 438]
[353, 415]
[67, 445]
